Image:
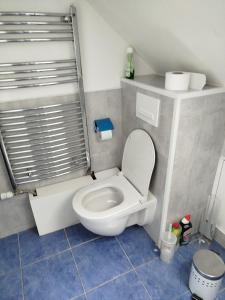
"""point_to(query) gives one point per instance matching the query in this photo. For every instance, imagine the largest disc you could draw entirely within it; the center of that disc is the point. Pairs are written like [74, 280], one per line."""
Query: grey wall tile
[15, 215]
[203, 105]
[199, 144]
[103, 104]
[160, 134]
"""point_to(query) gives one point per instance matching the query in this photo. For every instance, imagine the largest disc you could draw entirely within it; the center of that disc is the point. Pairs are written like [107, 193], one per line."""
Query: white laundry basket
[206, 274]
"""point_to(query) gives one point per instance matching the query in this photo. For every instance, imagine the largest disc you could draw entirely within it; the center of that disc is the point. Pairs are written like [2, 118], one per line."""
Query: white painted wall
[223, 151]
[172, 35]
[102, 49]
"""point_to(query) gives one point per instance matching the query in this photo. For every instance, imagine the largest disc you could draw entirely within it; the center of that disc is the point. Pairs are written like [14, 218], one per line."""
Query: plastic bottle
[176, 229]
[186, 227]
[129, 70]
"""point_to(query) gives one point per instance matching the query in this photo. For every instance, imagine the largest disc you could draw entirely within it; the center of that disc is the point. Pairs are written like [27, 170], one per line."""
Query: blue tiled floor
[189, 250]
[54, 276]
[34, 248]
[100, 261]
[137, 244]
[9, 254]
[78, 234]
[165, 281]
[124, 287]
[10, 286]
[76, 264]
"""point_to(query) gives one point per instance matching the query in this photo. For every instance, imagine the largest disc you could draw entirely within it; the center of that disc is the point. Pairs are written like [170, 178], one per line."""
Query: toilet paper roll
[106, 135]
[197, 81]
[177, 81]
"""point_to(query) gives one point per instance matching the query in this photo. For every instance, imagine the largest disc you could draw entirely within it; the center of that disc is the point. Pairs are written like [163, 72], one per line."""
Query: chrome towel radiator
[46, 141]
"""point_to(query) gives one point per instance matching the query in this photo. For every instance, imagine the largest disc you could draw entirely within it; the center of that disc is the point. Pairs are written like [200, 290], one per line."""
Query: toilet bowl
[108, 206]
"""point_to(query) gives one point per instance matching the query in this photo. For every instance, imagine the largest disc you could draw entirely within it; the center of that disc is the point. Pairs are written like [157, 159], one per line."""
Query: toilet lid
[139, 160]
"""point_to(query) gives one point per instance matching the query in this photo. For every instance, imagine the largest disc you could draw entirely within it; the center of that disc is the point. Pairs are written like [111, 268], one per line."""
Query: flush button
[147, 109]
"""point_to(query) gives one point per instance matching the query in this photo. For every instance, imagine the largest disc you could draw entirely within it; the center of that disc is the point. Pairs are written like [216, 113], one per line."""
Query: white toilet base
[116, 225]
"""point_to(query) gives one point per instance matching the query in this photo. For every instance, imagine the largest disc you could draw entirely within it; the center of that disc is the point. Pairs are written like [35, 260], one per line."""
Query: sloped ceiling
[172, 34]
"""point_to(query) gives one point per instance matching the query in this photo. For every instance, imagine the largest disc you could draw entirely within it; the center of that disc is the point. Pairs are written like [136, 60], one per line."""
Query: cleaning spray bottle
[176, 229]
[186, 227]
[129, 70]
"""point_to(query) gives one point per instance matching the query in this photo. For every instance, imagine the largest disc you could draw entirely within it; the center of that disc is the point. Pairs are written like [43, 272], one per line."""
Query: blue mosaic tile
[78, 234]
[165, 281]
[10, 286]
[125, 287]
[100, 260]
[9, 254]
[54, 278]
[138, 245]
[34, 247]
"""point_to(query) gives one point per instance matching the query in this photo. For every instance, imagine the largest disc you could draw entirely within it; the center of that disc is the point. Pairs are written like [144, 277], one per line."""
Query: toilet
[109, 205]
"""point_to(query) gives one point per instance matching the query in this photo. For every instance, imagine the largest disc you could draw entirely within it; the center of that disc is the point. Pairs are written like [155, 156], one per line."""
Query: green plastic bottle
[129, 70]
[176, 229]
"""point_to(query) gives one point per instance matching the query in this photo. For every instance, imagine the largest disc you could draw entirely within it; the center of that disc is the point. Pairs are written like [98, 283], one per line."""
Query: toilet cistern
[108, 206]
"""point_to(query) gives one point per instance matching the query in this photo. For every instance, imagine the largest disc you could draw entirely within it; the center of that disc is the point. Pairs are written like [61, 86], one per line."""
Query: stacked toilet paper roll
[177, 81]
[182, 81]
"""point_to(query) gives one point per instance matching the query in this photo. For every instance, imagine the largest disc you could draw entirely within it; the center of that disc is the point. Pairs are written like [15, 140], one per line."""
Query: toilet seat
[139, 160]
[130, 198]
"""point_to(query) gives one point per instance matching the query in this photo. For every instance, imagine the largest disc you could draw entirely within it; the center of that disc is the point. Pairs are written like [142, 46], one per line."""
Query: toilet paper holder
[104, 128]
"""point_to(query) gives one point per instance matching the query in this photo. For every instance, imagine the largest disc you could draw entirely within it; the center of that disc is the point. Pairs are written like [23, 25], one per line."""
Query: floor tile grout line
[150, 297]
[124, 252]
[86, 242]
[21, 270]
[78, 273]
[108, 281]
[76, 266]
[45, 258]
[146, 262]
[67, 239]
[57, 253]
